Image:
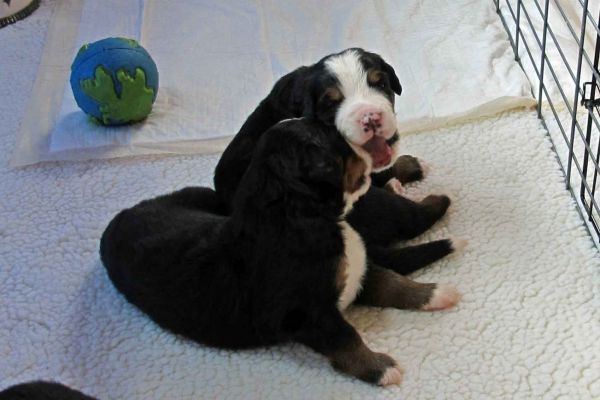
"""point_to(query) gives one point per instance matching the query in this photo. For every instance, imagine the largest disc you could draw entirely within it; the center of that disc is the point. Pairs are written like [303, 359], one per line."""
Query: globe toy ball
[114, 80]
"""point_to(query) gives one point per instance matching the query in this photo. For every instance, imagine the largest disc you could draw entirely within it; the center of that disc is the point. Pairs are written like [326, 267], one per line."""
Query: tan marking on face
[374, 76]
[333, 94]
[354, 177]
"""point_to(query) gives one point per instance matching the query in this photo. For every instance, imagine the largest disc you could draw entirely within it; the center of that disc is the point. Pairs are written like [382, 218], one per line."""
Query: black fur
[299, 93]
[40, 390]
[271, 272]
[380, 217]
[247, 279]
[264, 275]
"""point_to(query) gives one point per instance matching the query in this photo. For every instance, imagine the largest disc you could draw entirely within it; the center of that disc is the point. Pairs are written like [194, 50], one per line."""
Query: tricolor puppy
[354, 92]
[282, 267]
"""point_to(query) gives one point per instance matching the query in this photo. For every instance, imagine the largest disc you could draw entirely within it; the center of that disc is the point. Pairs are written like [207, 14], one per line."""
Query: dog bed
[527, 326]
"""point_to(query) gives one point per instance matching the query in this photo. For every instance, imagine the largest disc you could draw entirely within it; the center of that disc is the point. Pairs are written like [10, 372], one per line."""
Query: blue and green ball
[115, 81]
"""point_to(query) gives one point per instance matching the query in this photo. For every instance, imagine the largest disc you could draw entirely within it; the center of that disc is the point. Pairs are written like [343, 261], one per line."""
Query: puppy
[353, 91]
[40, 390]
[282, 267]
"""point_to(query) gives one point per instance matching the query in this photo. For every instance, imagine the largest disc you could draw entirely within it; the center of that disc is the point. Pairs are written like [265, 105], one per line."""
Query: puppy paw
[384, 369]
[409, 169]
[366, 365]
[458, 245]
[442, 298]
[395, 186]
[425, 167]
[435, 204]
[392, 376]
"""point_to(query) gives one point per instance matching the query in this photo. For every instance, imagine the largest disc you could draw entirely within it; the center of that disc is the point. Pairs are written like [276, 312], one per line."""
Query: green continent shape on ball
[132, 42]
[135, 101]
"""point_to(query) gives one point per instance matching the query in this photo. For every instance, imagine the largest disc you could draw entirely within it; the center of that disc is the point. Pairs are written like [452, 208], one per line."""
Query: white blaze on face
[365, 113]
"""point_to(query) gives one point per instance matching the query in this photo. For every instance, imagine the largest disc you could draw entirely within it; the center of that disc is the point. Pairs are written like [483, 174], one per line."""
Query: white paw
[395, 186]
[425, 167]
[443, 297]
[392, 376]
[458, 245]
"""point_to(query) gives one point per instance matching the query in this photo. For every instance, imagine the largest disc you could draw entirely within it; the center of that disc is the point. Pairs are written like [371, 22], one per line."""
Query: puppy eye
[332, 96]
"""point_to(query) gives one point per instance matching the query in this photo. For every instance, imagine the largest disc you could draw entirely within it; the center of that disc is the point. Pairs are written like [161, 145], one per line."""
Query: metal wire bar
[519, 6]
[589, 16]
[566, 20]
[551, 69]
[588, 136]
[579, 129]
[578, 161]
[575, 161]
[535, 35]
[594, 187]
[572, 111]
[532, 27]
[576, 95]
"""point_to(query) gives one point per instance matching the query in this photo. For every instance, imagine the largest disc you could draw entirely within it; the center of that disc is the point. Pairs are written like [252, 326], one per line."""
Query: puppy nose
[371, 120]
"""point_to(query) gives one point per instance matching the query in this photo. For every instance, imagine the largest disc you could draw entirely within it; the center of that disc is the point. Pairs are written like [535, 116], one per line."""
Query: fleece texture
[218, 60]
[527, 326]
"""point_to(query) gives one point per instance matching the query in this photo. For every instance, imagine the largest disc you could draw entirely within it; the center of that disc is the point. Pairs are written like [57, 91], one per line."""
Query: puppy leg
[203, 198]
[396, 187]
[406, 169]
[431, 208]
[331, 335]
[383, 218]
[405, 260]
[385, 288]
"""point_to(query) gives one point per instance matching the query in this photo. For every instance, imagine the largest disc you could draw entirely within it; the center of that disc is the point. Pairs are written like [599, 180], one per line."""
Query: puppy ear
[394, 81]
[324, 174]
[310, 178]
[309, 172]
[288, 94]
[308, 105]
[259, 188]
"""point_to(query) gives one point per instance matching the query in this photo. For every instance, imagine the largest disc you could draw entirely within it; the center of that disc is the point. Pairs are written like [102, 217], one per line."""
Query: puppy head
[303, 168]
[354, 91]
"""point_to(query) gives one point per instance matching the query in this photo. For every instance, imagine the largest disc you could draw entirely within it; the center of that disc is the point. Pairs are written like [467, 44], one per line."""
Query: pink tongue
[380, 151]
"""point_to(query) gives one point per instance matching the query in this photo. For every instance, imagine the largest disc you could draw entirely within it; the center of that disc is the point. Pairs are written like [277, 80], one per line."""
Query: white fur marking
[443, 297]
[356, 265]
[392, 376]
[358, 95]
[458, 245]
[351, 198]
[425, 167]
[395, 186]
[288, 119]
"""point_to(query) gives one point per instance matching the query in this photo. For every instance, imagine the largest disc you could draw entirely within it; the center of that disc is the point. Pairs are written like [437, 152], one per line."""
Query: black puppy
[40, 390]
[280, 268]
[353, 91]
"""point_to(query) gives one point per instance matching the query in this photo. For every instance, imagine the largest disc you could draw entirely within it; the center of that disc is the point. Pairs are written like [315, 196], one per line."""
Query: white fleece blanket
[218, 59]
[527, 327]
